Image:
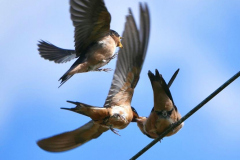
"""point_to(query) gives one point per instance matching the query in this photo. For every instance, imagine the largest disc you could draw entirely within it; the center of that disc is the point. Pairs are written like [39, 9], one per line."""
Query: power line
[190, 113]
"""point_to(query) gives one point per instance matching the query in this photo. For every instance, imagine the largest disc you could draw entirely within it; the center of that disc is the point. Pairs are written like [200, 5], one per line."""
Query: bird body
[120, 116]
[97, 56]
[95, 42]
[164, 112]
[111, 117]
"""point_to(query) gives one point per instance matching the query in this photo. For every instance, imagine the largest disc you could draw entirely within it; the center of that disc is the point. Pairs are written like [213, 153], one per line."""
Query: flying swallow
[95, 42]
[117, 111]
[164, 113]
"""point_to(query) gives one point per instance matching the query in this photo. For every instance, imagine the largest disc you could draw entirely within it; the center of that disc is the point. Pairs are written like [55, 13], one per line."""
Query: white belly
[103, 51]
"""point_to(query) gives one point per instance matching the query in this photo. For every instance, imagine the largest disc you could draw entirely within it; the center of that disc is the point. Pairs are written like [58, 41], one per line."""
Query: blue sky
[202, 38]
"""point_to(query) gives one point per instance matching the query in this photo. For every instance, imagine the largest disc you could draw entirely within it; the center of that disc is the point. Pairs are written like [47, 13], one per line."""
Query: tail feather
[173, 78]
[69, 109]
[66, 76]
[76, 103]
[158, 77]
[80, 107]
[53, 53]
[64, 79]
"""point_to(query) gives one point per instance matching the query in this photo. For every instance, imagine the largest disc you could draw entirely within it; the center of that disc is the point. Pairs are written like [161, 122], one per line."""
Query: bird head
[116, 38]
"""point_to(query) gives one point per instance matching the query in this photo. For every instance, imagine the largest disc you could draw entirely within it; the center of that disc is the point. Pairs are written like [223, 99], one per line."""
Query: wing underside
[72, 139]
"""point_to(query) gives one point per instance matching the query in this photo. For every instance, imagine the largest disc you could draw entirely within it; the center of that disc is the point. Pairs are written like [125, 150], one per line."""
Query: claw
[121, 117]
[114, 56]
[104, 69]
[171, 126]
[114, 131]
[160, 140]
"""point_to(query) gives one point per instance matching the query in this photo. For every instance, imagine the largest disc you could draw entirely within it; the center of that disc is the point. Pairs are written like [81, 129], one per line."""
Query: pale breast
[108, 46]
[120, 117]
[100, 54]
[155, 125]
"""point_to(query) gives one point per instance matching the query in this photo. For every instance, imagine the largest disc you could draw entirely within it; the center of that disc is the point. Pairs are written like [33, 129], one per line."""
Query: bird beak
[120, 45]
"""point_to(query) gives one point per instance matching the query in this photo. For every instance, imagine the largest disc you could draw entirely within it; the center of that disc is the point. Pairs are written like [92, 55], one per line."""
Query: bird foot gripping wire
[171, 125]
[160, 140]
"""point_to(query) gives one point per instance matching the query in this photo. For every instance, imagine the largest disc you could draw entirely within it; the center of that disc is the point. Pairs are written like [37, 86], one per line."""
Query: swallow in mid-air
[95, 42]
[117, 111]
[164, 112]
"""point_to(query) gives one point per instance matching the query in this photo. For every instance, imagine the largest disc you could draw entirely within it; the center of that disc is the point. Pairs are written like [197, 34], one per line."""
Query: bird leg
[108, 60]
[114, 56]
[121, 117]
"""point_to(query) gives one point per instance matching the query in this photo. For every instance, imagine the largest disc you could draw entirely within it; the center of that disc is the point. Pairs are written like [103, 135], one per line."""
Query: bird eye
[164, 114]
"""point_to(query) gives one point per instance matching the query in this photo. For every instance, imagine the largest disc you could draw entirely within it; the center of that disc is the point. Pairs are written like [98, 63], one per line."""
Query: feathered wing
[53, 53]
[72, 139]
[91, 20]
[130, 59]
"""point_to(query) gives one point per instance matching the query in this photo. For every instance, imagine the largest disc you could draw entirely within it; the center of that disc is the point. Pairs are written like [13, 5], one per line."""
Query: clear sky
[202, 38]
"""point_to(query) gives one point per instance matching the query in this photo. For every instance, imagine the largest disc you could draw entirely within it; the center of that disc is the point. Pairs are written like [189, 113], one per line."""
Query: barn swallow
[95, 42]
[164, 113]
[117, 111]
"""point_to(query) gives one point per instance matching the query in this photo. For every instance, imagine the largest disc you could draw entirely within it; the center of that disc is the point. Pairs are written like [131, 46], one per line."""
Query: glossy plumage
[117, 111]
[164, 113]
[95, 42]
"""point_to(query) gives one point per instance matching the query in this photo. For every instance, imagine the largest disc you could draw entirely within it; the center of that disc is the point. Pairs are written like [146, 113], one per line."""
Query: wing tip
[76, 103]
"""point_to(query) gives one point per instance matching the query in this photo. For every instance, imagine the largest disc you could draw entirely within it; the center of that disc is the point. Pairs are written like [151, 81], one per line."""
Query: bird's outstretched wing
[72, 139]
[130, 59]
[91, 20]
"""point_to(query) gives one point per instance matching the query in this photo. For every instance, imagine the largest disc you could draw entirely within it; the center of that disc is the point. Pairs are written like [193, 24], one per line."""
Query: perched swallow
[164, 112]
[117, 111]
[95, 42]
